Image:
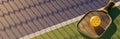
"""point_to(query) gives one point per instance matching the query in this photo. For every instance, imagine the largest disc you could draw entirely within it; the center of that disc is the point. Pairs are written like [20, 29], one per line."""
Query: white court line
[57, 25]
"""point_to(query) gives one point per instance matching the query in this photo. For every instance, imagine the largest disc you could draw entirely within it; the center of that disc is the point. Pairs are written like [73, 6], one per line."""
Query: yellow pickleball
[95, 21]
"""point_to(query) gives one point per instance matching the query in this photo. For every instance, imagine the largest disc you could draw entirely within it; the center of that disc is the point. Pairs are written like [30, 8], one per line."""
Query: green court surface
[70, 31]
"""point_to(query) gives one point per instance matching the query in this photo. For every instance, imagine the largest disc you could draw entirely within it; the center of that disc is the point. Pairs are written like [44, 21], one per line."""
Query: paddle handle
[109, 5]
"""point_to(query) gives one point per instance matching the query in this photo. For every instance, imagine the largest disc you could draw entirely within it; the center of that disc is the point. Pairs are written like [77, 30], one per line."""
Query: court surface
[48, 19]
[70, 31]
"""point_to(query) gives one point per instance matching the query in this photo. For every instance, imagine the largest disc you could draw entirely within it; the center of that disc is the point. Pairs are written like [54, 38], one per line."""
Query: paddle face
[94, 23]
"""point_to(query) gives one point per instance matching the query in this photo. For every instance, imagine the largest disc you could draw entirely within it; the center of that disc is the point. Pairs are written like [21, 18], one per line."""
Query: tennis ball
[95, 21]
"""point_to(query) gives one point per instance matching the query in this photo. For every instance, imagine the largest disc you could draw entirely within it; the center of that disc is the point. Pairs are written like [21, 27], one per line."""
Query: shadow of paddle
[114, 12]
[112, 29]
[109, 32]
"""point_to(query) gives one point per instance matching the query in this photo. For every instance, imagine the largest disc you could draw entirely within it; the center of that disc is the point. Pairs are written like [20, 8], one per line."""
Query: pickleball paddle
[96, 22]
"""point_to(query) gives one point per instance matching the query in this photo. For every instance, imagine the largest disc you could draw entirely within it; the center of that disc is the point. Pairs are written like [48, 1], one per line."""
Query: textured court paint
[27, 13]
[116, 35]
[31, 35]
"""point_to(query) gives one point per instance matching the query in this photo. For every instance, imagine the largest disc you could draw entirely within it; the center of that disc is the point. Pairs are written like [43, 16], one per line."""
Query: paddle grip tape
[109, 6]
